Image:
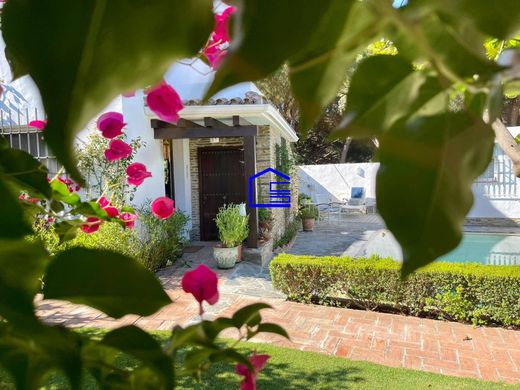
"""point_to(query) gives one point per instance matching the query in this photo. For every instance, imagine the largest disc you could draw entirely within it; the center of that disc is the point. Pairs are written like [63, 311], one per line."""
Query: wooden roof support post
[250, 170]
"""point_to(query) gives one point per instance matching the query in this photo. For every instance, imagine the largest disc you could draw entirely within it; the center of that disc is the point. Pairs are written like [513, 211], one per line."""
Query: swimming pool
[494, 249]
[483, 248]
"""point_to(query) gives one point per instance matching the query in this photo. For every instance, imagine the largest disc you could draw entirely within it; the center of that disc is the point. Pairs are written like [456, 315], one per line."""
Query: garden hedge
[481, 294]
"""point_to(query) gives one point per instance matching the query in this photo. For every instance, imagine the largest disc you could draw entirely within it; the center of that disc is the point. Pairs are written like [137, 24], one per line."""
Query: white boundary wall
[497, 192]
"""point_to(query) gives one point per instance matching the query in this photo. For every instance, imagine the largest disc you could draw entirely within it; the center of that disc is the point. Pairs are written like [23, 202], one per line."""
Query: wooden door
[221, 181]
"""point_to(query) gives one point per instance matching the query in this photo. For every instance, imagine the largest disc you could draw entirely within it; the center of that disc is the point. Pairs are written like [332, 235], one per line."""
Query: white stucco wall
[498, 199]
[334, 181]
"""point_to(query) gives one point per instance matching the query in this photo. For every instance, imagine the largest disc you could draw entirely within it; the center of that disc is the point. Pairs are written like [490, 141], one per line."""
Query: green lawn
[293, 369]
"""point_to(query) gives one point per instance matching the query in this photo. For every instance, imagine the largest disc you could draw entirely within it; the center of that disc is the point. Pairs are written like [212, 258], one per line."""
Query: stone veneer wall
[262, 157]
[265, 158]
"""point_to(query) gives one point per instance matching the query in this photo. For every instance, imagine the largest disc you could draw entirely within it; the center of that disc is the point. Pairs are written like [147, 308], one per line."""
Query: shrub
[162, 239]
[159, 242]
[290, 232]
[110, 236]
[232, 227]
[475, 293]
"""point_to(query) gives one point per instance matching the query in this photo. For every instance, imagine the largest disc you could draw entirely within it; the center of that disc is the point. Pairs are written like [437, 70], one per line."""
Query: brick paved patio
[392, 340]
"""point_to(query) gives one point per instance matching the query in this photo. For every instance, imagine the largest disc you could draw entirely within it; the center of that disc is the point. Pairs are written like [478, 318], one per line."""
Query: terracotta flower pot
[239, 253]
[225, 257]
[266, 225]
[308, 224]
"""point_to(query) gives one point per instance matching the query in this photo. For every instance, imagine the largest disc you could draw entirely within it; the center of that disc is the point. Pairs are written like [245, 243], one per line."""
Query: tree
[315, 145]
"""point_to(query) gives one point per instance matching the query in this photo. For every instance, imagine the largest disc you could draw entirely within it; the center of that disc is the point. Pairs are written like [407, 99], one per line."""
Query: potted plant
[308, 213]
[232, 230]
[265, 219]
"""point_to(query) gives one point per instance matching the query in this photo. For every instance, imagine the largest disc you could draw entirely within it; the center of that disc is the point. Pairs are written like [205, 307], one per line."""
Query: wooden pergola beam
[250, 170]
[204, 132]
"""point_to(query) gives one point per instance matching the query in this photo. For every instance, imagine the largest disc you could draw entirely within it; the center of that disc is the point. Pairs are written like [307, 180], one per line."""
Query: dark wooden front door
[221, 181]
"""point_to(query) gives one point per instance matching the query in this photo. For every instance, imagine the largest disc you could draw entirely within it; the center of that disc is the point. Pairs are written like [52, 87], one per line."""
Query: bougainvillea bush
[82, 54]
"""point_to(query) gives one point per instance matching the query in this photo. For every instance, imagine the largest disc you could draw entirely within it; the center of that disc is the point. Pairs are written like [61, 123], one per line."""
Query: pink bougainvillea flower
[164, 101]
[202, 283]
[136, 173]
[92, 225]
[71, 186]
[118, 149]
[111, 211]
[27, 198]
[38, 124]
[221, 30]
[215, 49]
[258, 362]
[128, 219]
[162, 207]
[103, 202]
[214, 54]
[111, 124]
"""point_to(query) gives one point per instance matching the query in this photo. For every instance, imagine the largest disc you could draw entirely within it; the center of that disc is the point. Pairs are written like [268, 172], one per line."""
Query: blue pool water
[483, 248]
[495, 249]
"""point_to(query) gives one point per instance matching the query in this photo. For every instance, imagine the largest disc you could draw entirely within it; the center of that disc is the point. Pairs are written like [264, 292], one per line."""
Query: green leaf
[29, 357]
[90, 209]
[22, 264]
[127, 209]
[500, 21]
[61, 193]
[427, 168]
[13, 223]
[213, 328]
[24, 170]
[318, 72]
[456, 53]
[249, 314]
[107, 281]
[136, 342]
[249, 57]
[512, 89]
[66, 230]
[268, 327]
[377, 100]
[320, 43]
[94, 50]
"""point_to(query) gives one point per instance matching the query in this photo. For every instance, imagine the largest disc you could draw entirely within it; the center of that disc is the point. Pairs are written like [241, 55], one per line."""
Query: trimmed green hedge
[481, 294]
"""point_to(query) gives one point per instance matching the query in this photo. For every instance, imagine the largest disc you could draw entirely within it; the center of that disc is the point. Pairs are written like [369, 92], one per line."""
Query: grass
[293, 369]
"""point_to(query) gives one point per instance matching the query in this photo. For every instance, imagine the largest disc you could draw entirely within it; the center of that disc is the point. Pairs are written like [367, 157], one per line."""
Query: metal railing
[14, 126]
[498, 181]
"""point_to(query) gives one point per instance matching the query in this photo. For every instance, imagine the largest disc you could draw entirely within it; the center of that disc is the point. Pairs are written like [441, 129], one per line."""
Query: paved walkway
[392, 340]
[341, 235]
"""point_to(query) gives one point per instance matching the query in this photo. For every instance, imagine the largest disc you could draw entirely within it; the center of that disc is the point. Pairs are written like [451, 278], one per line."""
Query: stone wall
[265, 157]
[195, 144]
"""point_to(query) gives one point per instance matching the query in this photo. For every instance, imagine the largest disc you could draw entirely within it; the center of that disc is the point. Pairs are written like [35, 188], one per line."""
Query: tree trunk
[506, 141]
[344, 152]
[515, 110]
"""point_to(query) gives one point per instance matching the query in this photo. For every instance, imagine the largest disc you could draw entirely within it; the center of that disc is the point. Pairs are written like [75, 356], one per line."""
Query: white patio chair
[356, 202]
[323, 205]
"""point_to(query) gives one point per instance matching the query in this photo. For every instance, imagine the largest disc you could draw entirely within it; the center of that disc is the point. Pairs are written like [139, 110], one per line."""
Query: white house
[209, 155]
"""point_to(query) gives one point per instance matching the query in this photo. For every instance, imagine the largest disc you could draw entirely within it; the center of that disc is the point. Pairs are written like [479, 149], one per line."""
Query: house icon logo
[279, 191]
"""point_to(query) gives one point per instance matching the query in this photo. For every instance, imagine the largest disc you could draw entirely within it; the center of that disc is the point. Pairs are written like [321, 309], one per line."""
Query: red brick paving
[398, 341]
